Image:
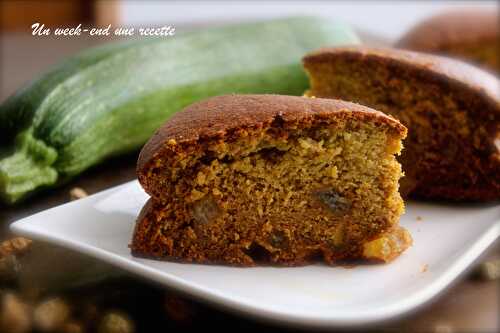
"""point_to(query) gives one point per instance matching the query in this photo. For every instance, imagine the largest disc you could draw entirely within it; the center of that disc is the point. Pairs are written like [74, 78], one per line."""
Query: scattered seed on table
[116, 322]
[72, 327]
[51, 314]
[15, 315]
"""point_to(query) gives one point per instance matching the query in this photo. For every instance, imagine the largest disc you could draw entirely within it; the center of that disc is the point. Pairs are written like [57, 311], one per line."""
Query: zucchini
[110, 100]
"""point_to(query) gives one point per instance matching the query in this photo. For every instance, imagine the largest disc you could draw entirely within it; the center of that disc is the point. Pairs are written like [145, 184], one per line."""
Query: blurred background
[386, 20]
[42, 297]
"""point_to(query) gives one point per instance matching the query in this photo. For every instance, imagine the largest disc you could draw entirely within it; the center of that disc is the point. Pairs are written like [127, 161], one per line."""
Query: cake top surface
[218, 116]
[452, 71]
[452, 27]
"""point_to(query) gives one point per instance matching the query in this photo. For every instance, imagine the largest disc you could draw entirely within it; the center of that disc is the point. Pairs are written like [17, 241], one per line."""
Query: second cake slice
[252, 178]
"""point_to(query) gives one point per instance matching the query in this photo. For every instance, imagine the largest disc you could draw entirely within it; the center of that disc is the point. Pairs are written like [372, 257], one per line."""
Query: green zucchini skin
[18, 110]
[109, 101]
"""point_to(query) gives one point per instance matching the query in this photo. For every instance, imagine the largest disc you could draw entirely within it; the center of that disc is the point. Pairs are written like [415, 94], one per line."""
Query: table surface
[468, 306]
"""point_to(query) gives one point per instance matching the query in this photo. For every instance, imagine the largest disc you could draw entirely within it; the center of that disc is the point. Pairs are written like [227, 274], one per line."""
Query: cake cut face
[451, 110]
[253, 179]
[470, 35]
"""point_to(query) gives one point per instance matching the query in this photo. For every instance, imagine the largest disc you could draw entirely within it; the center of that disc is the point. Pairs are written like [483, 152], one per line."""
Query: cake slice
[451, 110]
[247, 179]
[471, 35]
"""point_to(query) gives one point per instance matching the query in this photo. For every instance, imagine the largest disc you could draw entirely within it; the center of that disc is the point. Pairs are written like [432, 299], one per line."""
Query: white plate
[447, 240]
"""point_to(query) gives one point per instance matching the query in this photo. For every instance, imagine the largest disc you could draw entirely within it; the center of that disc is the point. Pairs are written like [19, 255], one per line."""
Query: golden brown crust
[454, 27]
[382, 249]
[470, 35]
[449, 71]
[224, 116]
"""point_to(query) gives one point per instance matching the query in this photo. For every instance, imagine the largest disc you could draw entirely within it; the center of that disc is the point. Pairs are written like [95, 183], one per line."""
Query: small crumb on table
[51, 315]
[116, 322]
[424, 268]
[77, 193]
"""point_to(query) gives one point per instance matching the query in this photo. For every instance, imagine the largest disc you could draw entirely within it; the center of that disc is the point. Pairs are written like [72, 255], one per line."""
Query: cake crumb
[77, 193]
[424, 268]
[15, 315]
[419, 218]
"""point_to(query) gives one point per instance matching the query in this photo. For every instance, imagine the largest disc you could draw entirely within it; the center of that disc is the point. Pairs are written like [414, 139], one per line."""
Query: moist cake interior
[450, 128]
[285, 196]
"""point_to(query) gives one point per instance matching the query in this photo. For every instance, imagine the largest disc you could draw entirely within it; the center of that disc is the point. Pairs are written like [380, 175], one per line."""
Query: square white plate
[447, 239]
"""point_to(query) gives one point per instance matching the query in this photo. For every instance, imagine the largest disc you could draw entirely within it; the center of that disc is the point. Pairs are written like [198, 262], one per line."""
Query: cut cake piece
[467, 34]
[451, 110]
[250, 179]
